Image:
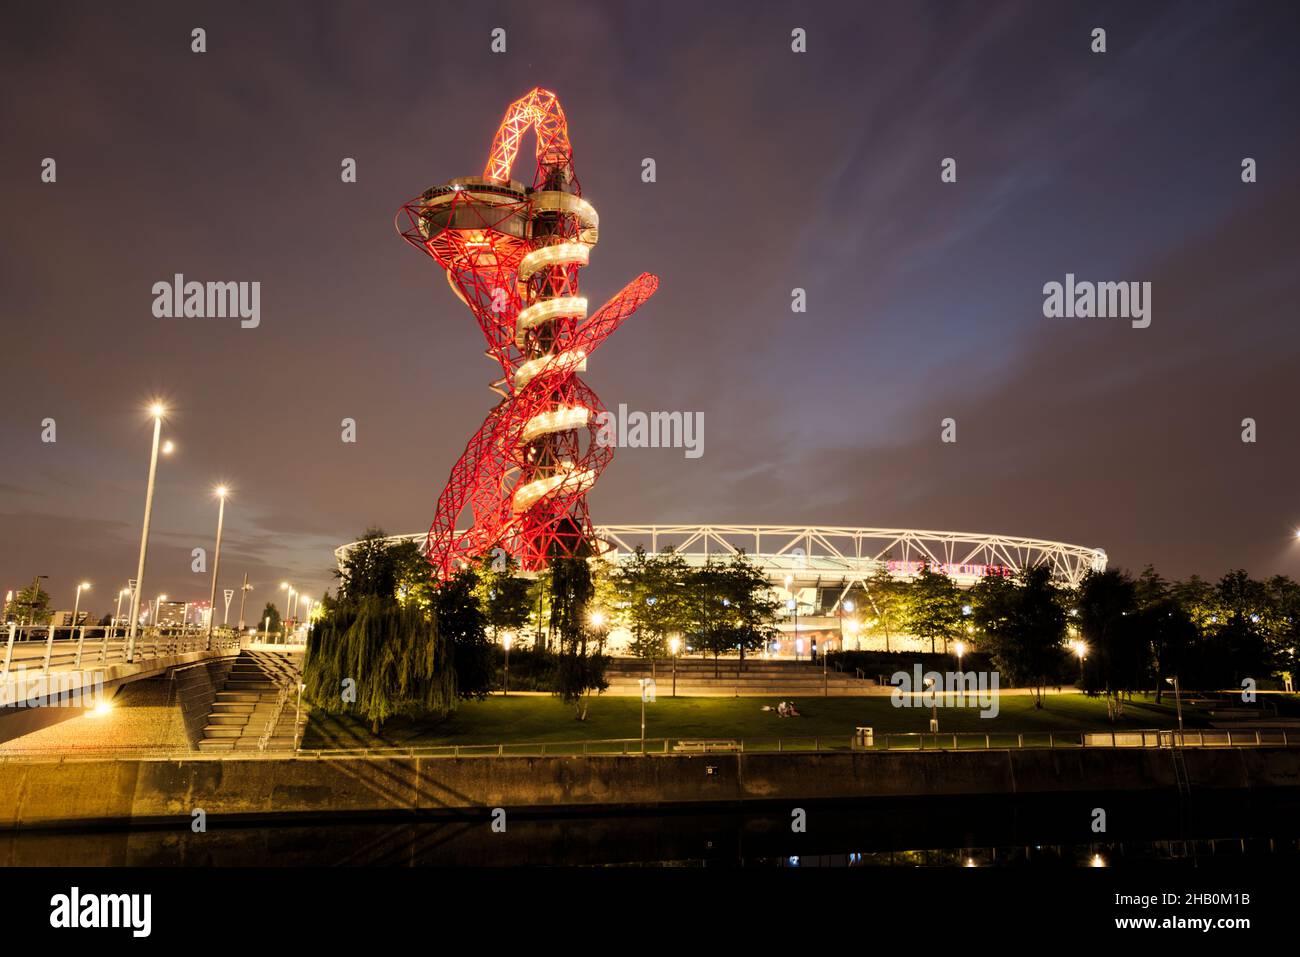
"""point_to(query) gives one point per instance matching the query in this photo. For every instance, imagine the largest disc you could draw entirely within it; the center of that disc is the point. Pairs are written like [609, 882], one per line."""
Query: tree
[579, 671]
[503, 597]
[751, 604]
[887, 598]
[729, 607]
[933, 606]
[1239, 647]
[377, 650]
[1107, 612]
[652, 592]
[462, 623]
[271, 617]
[31, 605]
[1023, 626]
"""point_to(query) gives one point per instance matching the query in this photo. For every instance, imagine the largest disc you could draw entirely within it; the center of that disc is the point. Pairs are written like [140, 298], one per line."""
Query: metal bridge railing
[1154, 739]
[35, 649]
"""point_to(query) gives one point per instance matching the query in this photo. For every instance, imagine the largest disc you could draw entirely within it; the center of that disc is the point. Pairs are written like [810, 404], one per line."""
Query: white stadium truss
[830, 555]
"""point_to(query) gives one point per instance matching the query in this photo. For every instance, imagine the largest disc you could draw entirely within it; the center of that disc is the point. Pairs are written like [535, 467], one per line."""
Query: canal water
[1051, 831]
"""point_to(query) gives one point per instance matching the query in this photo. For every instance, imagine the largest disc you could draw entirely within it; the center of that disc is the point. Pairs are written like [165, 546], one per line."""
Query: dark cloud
[775, 171]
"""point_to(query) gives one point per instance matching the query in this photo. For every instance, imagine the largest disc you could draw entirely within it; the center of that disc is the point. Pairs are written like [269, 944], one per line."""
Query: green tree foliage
[654, 599]
[503, 596]
[933, 606]
[271, 618]
[462, 623]
[579, 670]
[1022, 626]
[1118, 649]
[377, 650]
[31, 604]
[887, 599]
[730, 607]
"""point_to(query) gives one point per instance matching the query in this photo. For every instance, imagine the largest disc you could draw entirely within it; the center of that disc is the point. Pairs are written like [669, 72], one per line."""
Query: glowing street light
[76, 607]
[288, 598]
[221, 492]
[675, 645]
[506, 641]
[117, 615]
[960, 648]
[157, 411]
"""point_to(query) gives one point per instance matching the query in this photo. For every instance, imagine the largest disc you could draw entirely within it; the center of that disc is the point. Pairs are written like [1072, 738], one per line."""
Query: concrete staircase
[247, 702]
[760, 678]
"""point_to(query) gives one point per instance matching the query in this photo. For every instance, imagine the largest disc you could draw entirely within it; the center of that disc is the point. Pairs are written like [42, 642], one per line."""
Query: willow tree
[579, 671]
[377, 650]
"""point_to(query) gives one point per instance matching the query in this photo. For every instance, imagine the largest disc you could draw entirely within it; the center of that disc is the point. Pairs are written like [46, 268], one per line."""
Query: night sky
[775, 170]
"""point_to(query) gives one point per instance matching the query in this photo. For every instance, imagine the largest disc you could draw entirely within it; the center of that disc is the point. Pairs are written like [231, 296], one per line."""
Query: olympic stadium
[816, 569]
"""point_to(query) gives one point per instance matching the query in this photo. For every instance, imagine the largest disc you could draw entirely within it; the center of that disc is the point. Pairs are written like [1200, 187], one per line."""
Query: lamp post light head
[507, 640]
[157, 410]
[849, 606]
[222, 491]
[597, 619]
[167, 447]
[789, 580]
[674, 643]
[960, 648]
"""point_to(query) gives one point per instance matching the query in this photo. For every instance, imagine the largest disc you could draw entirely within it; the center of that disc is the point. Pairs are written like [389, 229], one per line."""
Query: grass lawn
[545, 719]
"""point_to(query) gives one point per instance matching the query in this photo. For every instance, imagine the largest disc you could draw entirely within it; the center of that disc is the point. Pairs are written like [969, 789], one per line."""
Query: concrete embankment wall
[34, 793]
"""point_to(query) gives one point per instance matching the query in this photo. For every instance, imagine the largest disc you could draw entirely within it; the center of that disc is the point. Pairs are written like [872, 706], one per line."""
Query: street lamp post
[674, 644]
[505, 687]
[826, 651]
[117, 614]
[157, 615]
[221, 491]
[243, 594]
[76, 607]
[793, 605]
[284, 622]
[1081, 650]
[934, 705]
[1178, 704]
[157, 411]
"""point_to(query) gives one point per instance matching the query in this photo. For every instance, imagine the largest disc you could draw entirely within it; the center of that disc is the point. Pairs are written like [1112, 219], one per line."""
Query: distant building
[63, 619]
[171, 614]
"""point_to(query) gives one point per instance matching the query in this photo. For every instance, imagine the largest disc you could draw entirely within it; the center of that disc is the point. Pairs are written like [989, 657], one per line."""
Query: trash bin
[864, 738]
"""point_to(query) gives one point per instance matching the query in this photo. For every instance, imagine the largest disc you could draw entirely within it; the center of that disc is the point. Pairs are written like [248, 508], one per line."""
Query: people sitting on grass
[785, 709]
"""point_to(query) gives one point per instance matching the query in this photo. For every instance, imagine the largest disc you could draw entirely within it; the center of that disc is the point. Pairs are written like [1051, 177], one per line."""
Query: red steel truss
[512, 255]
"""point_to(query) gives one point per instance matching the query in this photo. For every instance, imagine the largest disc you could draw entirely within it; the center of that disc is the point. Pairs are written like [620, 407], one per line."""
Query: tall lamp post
[675, 644]
[117, 615]
[1178, 704]
[505, 687]
[76, 607]
[157, 411]
[284, 622]
[793, 605]
[221, 492]
[243, 594]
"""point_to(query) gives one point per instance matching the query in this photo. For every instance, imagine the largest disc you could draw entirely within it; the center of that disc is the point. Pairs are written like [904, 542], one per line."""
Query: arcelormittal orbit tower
[512, 254]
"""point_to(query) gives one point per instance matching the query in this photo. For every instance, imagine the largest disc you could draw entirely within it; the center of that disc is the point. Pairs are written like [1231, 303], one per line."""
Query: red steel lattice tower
[512, 255]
